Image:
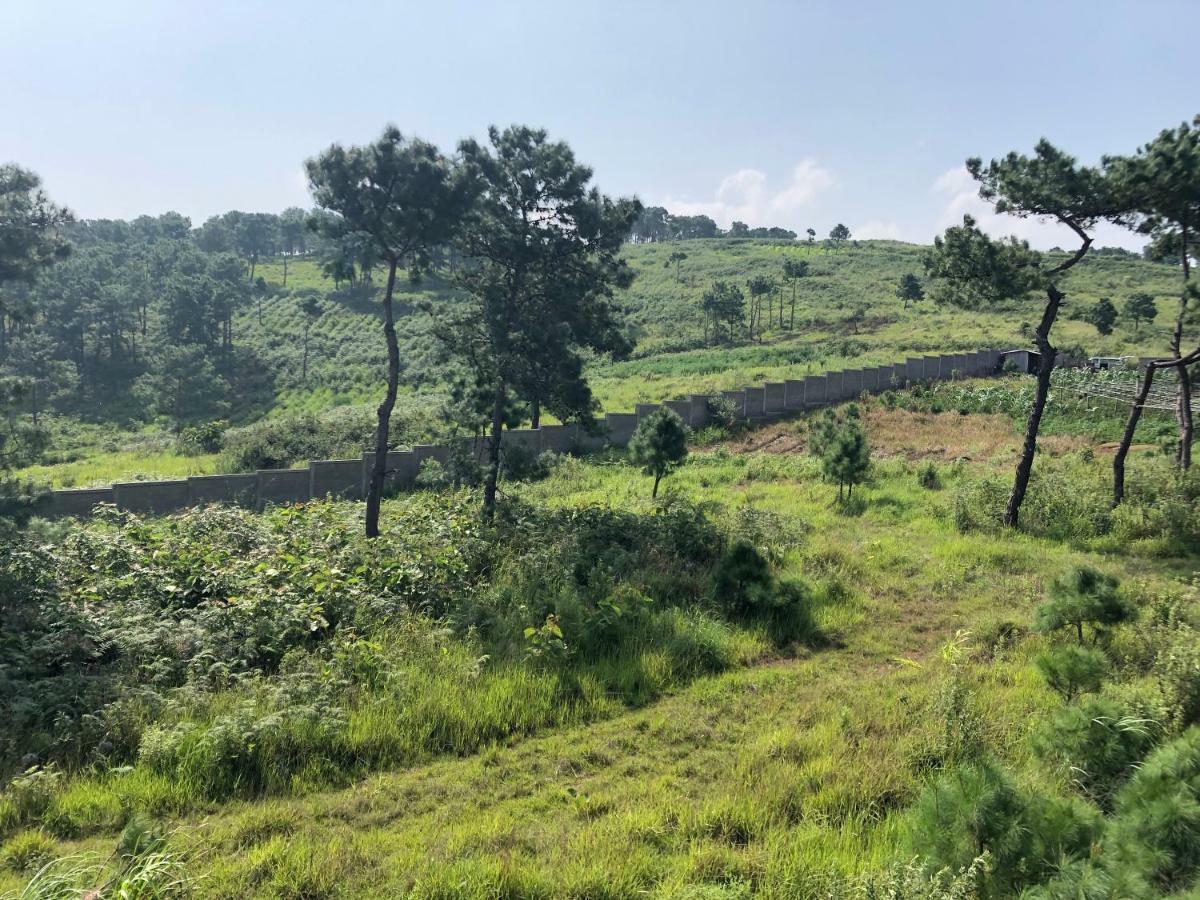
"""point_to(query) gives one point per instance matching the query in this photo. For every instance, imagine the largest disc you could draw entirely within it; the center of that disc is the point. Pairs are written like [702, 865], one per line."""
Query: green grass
[770, 779]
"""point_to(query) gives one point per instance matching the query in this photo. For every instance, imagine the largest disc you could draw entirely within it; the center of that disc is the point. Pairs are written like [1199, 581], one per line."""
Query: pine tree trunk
[384, 414]
[1183, 412]
[535, 412]
[1135, 413]
[654, 492]
[493, 470]
[1012, 511]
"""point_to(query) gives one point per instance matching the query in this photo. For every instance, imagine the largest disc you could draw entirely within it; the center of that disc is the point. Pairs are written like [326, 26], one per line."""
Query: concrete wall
[279, 486]
[738, 399]
[152, 497]
[774, 397]
[77, 502]
[682, 408]
[348, 478]
[341, 479]
[621, 427]
[816, 390]
[793, 394]
[559, 438]
[755, 402]
[239, 490]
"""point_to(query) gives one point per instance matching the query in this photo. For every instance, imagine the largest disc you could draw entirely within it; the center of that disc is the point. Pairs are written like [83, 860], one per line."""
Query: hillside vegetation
[742, 689]
[846, 315]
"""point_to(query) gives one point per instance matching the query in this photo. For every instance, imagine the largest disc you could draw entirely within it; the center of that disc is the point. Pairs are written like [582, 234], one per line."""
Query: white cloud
[962, 193]
[746, 196]
[877, 230]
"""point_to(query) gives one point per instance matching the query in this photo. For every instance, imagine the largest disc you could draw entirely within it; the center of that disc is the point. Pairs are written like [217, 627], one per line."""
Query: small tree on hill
[910, 290]
[793, 271]
[840, 443]
[972, 270]
[838, 235]
[675, 257]
[1085, 597]
[311, 309]
[758, 287]
[812, 234]
[403, 199]
[1103, 315]
[1072, 670]
[1139, 308]
[659, 445]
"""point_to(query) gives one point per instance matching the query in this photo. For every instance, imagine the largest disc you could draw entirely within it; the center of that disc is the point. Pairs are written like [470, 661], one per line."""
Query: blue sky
[794, 114]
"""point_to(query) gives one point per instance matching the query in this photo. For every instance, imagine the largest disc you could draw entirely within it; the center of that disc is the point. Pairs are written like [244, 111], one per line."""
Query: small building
[1026, 362]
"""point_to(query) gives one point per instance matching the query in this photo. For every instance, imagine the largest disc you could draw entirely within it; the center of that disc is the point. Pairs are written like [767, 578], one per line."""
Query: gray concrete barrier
[348, 478]
[621, 427]
[681, 408]
[738, 399]
[279, 486]
[852, 383]
[793, 393]
[755, 403]
[238, 490]
[76, 502]
[340, 479]
[816, 391]
[154, 497]
[775, 397]
[559, 438]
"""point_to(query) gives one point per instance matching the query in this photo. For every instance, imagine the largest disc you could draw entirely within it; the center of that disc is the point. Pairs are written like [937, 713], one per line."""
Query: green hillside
[346, 352]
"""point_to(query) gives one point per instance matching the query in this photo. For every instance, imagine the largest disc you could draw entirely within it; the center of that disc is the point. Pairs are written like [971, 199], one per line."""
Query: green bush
[1098, 742]
[1086, 597]
[1156, 829]
[975, 809]
[929, 477]
[1071, 670]
[27, 851]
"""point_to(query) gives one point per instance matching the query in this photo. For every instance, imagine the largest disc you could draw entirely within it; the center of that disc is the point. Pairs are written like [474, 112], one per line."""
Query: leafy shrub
[929, 477]
[206, 438]
[1085, 597]
[979, 504]
[1157, 824]
[742, 581]
[26, 851]
[1099, 742]
[975, 809]
[1071, 670]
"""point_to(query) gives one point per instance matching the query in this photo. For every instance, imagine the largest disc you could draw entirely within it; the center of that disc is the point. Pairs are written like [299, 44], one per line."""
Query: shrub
[431, 475]
[742, 581]
[27, 851]
[929, 477]
[1085, 597]
[975, 809]
[1072, 670]
[659, 445]
[1157, 820]
[1099, 742]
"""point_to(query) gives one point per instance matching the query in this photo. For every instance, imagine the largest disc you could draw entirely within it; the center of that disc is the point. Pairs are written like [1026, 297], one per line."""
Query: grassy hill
[312, 715]
[346, 361]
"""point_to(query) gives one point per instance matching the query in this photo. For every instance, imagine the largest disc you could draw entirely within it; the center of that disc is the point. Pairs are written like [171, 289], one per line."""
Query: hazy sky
[794, 114]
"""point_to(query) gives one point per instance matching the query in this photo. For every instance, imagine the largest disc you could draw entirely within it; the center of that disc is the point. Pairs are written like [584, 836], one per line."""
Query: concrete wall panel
[241, 490]
[682, 408]
[738, 399]
[279, 486]
[340, 479]
[700, 414]
[559, 438]
[816, 391]
[154, 497]
[852, 383]
[621, 427]
[76, 502]
[755, 402]
[775, 398]
[793, 393]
